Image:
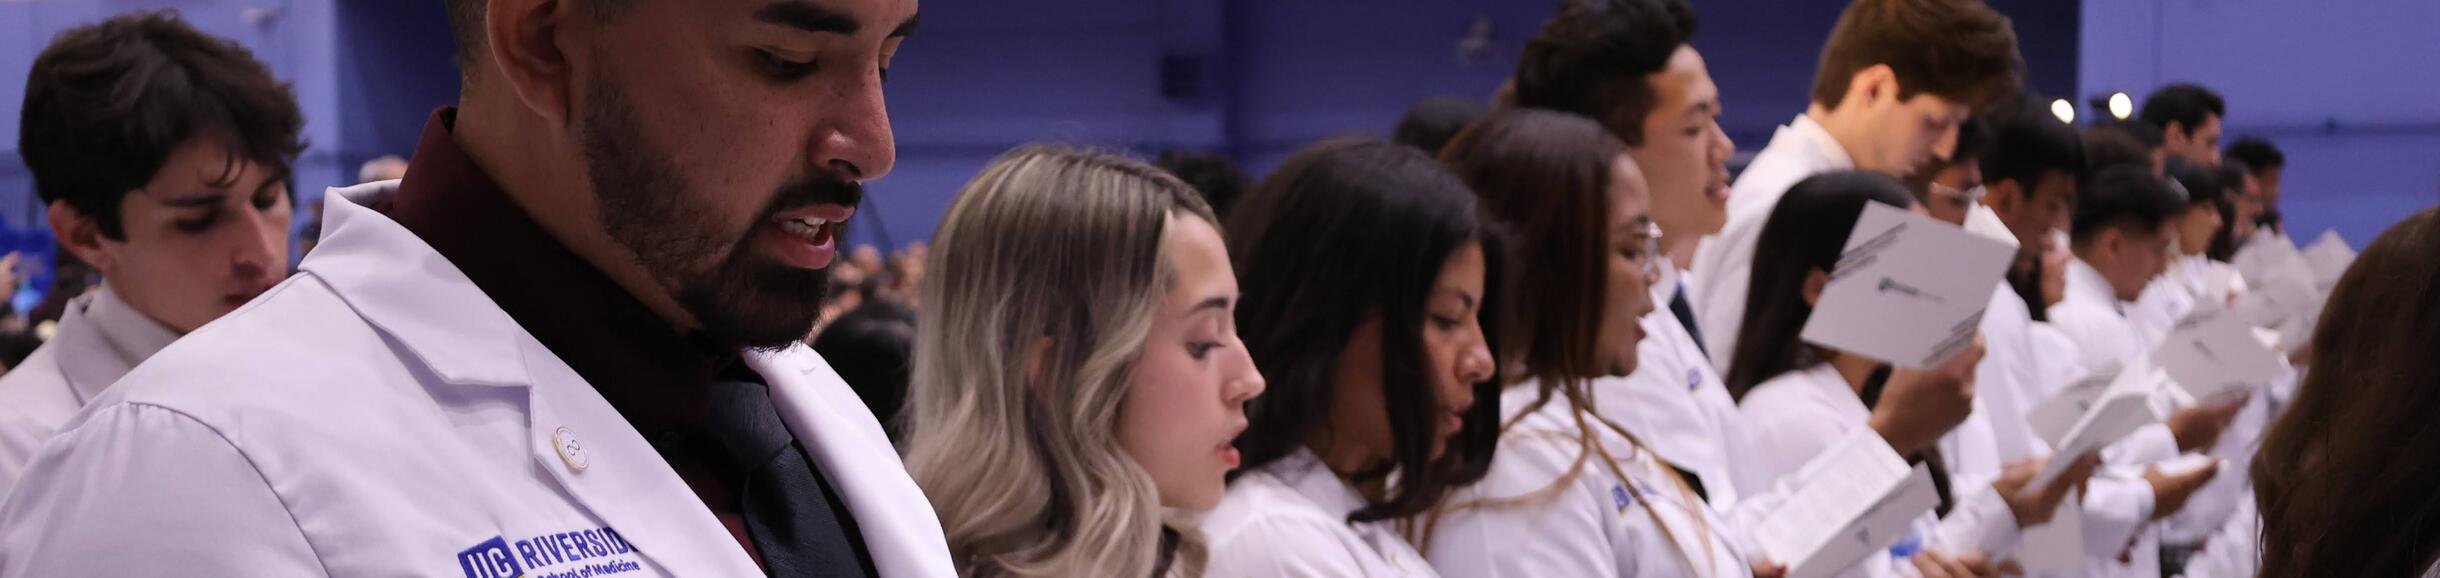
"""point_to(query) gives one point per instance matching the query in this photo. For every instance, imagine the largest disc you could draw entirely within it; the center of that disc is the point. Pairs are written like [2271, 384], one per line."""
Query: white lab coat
[1288, 519]
[1676, 403]
[2095, 319]
[100, 338]
[1799, 415]
[1521, 521]
[2033, 362]
[1723, 264]
[378, 415]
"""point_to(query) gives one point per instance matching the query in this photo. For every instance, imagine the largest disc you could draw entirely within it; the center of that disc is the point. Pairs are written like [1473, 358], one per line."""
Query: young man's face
[2032, 213]
[2132, 259]
[1912, 133]
[1950, 198]
[725, 142]
[2268, 181]
[1685, 154]
[2199, 143]
[204, 236]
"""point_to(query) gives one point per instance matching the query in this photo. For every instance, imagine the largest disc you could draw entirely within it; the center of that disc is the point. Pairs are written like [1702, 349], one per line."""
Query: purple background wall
[2349, 89]
[984, 76]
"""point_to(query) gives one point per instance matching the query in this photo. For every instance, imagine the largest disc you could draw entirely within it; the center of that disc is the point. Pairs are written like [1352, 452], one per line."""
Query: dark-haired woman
[1570, 492]
[1800, 399]
[2345, 477]
[1366, 276]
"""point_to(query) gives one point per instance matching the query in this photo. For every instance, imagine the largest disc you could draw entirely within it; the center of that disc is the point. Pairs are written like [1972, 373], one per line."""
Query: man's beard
[741, 300]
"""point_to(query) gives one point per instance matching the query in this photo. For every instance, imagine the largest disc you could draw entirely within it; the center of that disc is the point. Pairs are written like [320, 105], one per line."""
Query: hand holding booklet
[1908, 289]
[2121, 409]
[1858, 499]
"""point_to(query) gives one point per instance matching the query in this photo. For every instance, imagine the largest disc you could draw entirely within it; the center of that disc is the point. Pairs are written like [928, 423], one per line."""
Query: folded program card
[2215, 357]
[2121, 409]
[2329, 257]
[1858, 499]
[1908, 289]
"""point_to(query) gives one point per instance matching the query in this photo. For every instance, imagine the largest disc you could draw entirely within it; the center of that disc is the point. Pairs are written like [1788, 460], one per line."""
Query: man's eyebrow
[809, 17]
[906, 28]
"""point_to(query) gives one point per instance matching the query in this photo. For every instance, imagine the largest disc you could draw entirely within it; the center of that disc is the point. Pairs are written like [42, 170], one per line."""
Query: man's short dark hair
[1432, 122]
[466, 27]
[2186, 104]
[2257, 153]
[1593, 59]
[1213, 174]
[2027, 144]
[2203, 184]
[1960, 50]
[107, 102]
[2120, 143]
[2127, 199]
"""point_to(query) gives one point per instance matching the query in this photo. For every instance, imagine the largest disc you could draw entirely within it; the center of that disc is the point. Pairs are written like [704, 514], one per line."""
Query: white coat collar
[1816, 142]
[2085, 284]
[101, 337]
[1303, 472]
[400, 284]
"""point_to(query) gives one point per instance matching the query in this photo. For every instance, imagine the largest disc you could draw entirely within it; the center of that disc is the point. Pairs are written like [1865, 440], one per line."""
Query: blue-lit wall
[983, 76]
[2347, 88]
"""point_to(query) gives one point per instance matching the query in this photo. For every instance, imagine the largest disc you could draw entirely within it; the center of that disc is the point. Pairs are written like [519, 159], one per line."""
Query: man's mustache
[816, 191]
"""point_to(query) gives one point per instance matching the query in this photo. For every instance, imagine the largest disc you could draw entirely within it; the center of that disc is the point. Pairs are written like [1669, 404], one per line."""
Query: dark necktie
[796, 520]
[1685, 315]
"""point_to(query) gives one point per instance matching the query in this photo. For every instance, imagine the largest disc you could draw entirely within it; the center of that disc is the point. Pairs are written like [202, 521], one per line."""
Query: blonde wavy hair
[1044, 279]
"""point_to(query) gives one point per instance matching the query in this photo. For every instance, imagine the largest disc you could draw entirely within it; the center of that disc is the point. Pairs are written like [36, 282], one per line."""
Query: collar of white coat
[2085, 283]
[1665, 288]
[1801, 145]
[400, 284]
[1811, 135]
[101, 338]
[1305, 473]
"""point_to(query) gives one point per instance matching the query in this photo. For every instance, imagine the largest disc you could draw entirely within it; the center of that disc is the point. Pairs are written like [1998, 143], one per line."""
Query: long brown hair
[2347, 479]
[1546, 175]
[1345, 231]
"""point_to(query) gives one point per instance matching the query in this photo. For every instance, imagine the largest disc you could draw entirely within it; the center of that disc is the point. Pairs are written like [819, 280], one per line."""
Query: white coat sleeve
[1522, 533]
[2116, 506]
[1284, 547]
[138, 491]
[1979, 521]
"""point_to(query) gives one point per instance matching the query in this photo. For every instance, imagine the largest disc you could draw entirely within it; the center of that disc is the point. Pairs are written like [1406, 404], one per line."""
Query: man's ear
[1815, 280]
[2175, 134]
[525, 45]
[81, 236]
[1873, 84]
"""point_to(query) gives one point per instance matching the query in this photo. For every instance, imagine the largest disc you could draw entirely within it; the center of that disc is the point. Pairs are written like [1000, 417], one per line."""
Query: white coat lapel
[612, 471]
[839, 434]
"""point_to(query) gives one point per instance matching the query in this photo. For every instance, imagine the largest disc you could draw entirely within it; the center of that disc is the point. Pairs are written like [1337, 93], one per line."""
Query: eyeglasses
[1972, 195]
[1651, 260]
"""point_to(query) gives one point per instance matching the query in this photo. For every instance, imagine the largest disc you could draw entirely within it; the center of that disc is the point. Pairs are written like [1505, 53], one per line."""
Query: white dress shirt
[1723, 264]
[1288, 519]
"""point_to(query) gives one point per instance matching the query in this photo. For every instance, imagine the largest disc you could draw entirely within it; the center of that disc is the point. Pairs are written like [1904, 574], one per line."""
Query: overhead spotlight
[2066, 112]
[2121, 106]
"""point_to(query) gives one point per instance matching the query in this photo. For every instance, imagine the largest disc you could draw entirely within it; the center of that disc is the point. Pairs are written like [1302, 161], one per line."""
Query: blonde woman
[1077, 369]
